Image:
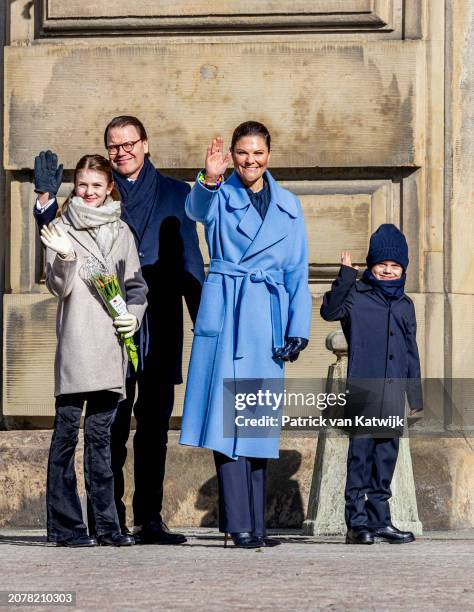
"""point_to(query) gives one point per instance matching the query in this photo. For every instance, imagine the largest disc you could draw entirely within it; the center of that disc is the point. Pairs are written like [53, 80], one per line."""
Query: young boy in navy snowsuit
[379, 323]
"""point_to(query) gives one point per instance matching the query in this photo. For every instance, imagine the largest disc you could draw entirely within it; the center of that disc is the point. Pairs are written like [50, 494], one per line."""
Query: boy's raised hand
[346, 260]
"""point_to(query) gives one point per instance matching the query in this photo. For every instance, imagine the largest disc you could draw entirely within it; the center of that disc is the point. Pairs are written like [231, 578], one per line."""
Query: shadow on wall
[284, 501]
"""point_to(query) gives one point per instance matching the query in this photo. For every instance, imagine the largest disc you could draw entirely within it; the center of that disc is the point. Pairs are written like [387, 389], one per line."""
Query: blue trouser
[242, 493]
[370, 466]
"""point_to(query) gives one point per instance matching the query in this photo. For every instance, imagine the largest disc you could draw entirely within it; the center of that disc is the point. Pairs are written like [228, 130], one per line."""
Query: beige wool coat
[89, 354]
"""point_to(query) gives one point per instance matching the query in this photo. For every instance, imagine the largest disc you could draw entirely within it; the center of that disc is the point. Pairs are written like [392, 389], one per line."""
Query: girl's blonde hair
[91, 162]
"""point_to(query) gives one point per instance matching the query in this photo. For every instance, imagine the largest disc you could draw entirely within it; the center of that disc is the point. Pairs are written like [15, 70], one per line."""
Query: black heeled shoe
[243, 540]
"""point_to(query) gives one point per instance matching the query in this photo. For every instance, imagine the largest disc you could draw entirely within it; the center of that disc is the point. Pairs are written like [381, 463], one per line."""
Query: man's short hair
[122, 121]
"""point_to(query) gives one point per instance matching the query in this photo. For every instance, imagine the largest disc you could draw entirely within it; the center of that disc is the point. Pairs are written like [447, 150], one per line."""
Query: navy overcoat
[255, 295]
[382, 348]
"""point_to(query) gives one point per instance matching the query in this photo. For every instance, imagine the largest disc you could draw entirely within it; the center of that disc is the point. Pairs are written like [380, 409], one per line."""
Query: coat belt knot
[274, 279]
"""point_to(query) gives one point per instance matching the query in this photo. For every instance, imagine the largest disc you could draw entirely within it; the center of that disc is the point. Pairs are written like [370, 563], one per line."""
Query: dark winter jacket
[383, 360]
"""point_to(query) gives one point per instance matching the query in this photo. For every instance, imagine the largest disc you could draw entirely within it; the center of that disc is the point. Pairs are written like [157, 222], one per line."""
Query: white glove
[126, 324]
[56, 239]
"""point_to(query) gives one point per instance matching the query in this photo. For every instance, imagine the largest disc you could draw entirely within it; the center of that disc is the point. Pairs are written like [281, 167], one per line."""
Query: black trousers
[64, 513]
[370, 466]
[242, 494]
[152, 412]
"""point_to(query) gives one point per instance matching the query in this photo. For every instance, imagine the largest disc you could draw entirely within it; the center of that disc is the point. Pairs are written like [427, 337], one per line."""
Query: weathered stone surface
[460, 132]
[62, 16]
[444, 476]
[459, 191]
[443, 468]
[29, 349]
[304, 573]
[148, 8]
[172, 86]
[23, 465]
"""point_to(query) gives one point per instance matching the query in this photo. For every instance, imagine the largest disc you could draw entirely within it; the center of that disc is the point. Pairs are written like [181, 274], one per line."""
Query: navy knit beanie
[387, 243]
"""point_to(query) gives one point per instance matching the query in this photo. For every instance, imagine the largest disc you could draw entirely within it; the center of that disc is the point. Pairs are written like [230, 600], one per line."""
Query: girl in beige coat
[91, 360]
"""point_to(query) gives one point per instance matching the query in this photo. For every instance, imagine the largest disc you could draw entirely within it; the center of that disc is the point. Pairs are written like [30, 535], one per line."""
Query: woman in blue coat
[255, 313]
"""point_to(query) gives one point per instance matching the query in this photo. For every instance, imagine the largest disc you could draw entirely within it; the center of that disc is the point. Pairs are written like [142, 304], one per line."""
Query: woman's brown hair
[250, 128]
[92, 162]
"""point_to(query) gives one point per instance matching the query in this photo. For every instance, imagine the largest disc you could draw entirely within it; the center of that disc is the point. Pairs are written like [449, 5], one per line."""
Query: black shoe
[268, 542]
[244, 540]
[158, 533]
[126, 531]
[115, 539]
[392, 535]
[79, 541]
[359, 536]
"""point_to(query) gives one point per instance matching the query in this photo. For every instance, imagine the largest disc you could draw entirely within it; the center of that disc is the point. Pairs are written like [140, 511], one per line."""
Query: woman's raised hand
[216, 161]
[56, 239]
[346, 260]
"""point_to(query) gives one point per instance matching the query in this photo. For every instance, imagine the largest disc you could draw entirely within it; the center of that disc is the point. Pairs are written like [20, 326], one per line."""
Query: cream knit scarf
[102, 223]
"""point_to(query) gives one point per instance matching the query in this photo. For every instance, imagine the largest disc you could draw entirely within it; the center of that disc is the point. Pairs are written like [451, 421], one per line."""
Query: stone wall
[443, 469]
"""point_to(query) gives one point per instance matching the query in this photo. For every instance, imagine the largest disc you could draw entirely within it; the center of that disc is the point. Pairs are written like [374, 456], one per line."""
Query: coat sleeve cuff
[348, 273]
[201, 180]
[138, 310]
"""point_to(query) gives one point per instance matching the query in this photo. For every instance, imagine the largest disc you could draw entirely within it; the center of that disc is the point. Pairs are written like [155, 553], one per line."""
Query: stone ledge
[443, 468]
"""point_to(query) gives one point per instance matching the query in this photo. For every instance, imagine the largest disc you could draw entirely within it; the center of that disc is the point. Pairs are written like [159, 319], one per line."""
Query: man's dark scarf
[140, 200]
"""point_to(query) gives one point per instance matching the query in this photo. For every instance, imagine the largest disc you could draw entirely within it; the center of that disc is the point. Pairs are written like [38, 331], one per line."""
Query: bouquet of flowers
[98, 275]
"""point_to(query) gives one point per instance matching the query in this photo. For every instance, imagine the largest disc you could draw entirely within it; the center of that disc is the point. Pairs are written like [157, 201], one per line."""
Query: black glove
[48, 175]
[291, 350]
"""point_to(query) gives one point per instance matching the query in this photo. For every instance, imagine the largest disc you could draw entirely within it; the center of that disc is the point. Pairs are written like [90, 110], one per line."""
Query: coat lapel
[250, 222]
[276, 224]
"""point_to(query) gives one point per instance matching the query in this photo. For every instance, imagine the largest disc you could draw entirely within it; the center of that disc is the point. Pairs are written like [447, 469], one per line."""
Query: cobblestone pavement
[305, 573]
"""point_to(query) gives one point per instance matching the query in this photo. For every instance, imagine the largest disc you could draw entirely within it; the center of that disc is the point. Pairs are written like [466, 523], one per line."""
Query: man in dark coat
[379, 323]
[172, 265]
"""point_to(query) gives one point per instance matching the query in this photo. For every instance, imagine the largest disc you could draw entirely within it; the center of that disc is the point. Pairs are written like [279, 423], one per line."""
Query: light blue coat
[256, 294]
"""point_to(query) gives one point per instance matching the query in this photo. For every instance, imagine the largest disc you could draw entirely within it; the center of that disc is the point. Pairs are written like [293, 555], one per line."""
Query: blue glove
[48, 175]
[292, 349]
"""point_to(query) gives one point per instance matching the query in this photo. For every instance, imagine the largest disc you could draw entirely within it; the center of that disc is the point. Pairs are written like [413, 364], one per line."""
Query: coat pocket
[210, 316]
